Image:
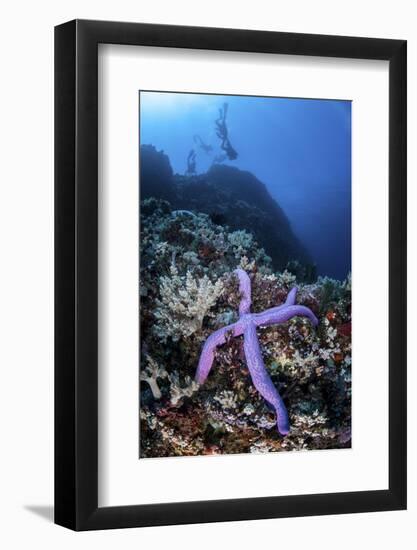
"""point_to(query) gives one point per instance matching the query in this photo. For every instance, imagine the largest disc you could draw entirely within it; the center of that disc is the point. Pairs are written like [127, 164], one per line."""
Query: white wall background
[26, 274]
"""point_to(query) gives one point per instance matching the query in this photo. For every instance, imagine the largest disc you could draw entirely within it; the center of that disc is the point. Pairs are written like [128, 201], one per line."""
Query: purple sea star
[246, 325]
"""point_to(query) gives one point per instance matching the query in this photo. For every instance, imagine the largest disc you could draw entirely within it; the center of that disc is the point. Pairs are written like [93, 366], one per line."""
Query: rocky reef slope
[188, 290]
[232, 198]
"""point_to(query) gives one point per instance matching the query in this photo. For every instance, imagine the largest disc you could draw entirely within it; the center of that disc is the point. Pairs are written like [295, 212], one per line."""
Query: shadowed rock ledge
[231, 197]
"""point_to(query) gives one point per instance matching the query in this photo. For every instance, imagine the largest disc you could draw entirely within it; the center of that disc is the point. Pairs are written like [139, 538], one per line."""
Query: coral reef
[188, 291]
[246, 325]
[183, 304]
[150, 374]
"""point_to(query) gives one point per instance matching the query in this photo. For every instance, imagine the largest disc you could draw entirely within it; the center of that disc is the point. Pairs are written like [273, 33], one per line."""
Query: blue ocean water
[299, 148]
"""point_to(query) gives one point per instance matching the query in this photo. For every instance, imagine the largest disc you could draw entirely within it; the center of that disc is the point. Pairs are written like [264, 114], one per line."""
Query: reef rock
[231, 197]
[188, 293]
[156, 175]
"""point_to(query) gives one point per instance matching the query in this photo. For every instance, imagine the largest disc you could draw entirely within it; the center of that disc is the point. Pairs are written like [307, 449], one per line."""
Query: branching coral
[197, 244]
[240, 241]
[183, 303]
[246, 325]
[151, 374]
[178, 392]
[227, 399]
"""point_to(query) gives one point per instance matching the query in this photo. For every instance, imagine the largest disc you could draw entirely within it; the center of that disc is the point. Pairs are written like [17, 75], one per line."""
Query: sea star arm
[218, 338]
[261, 378]
[290, 301]
[245, 291]
[281, 314]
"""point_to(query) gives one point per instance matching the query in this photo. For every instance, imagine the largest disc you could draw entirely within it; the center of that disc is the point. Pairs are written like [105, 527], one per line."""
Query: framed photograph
[230, 248]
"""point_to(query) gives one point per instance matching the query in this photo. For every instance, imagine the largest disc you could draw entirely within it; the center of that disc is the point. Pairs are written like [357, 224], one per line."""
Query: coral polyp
[246, 325]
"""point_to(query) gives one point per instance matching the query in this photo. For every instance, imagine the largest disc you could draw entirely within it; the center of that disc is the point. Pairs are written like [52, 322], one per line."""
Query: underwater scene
[245, 274]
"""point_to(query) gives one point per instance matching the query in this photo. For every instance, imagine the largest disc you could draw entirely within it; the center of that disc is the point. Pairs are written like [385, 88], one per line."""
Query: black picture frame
[76, 272]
